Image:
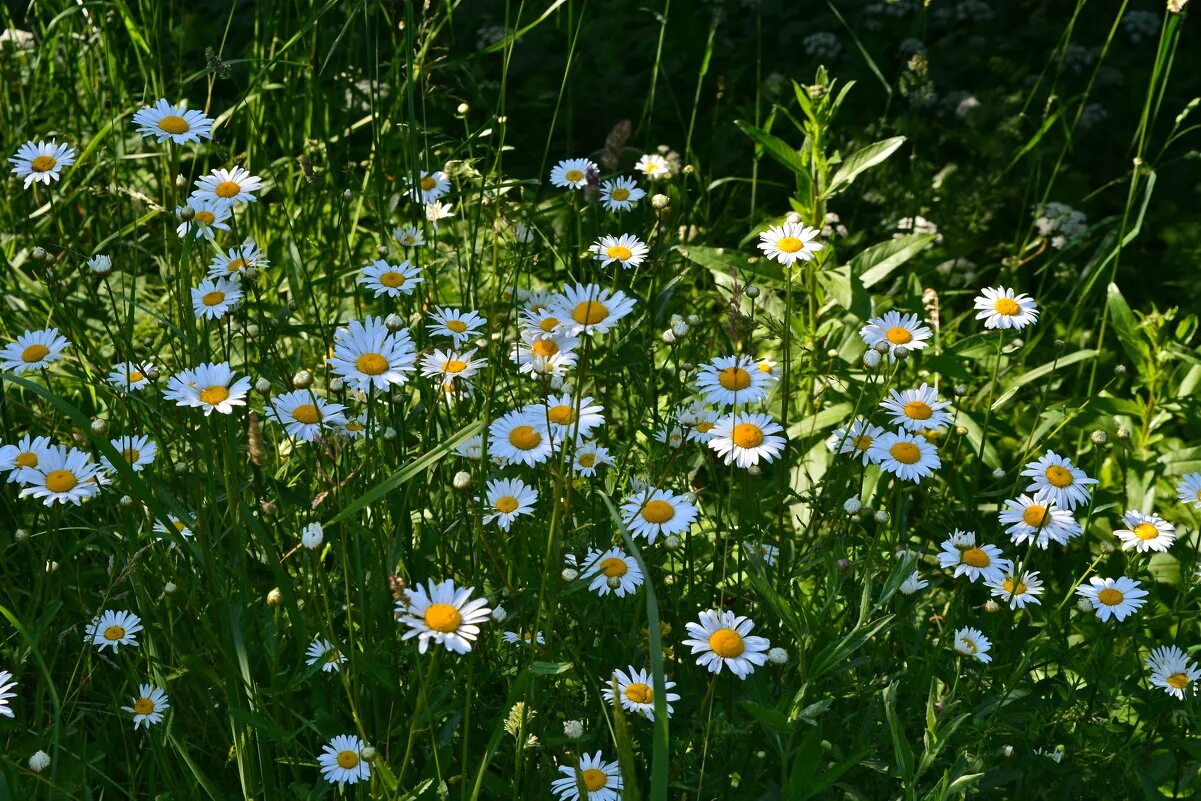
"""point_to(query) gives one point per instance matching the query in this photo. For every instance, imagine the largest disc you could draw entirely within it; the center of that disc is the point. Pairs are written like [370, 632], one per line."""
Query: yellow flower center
[354, 425]
[61, 481]
[589, 312]
[214, 394]
[620, 193]
[1110, 597]
[917, 410]
[332, 655]
[173, 124]
[574, 175]
[561, 414]
[658, 512]
[391, 279]
[586, 459]
[640, 693]
[135, 377]
[143, 706]
[205, 217]
[1009, 587]
[43, 163]
[726, 643]
[1146, 531]
[442, 617]
[525, 438]
[906, 453]
[227, 189]
[969, 646]
[650, 167]
[549, 324]
[594, 779]
[1058, 476]
[747, 435]
[1035, 515]
[371, 364]
[505, 504]
[734, 378]
[27, 459]
[975, 557]
[614, 567]
[705, 427]
[428, 183]
[454, 366]
[545, 348]
[1178, 680]
[618, 252]
[213, 298]
[458, 326]
[307, 413]
[131, 455]
[235, 265]
[34, 354]
[114, 633]
[347, 759]
[179, 525]
[862, 442]
[898, 335]
[1006, 306]
[789, 244]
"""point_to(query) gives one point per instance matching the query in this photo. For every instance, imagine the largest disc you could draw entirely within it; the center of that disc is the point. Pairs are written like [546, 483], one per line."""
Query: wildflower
[722, 640]
[409, 236]
[367, 355]
[909, 457]
[761, 552]
[601, 780]
[1058, 477]
[1017, 591]
[213, 299]
[1113, 597]
[326, 653]
[961, 552]
[508, 499]
[237, 260]
[212, 387]
[312, 535]
[523, 638]
[6, 685]
[443, 614]
[620, 194]
[588, 457]
[113, 629]
[912, 584]
[431, 186]
[41, 161]
[437, 211]
[1001, 308]
[33, 350]
[148, 707]
[342, 761]
[542, 354]
[383, 278]
[612, 570]
[917, 409]
[567, 417]
[627, 249]
[744, 439]
[572, 173]
[897, 330]
[520, 437]
[207, 217]
[789, 243]
[733, 381]
[472, 448]
[459, 325]
[653, 167]
[100, 264]
[130, 376]
[855, 439]
[636, 690]
[1038, 519]
[1146, 532]
[1172, 670]
[166, 121]
[226, 187]
[39, 761]
[304, 415]
[1189, 489]
[138, 452]
[972, 642]
[573, 729]
[588, 309]
[62, 475]
[654, 512]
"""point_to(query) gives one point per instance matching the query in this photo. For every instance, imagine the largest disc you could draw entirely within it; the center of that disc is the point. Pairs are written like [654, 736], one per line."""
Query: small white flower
[312, 535]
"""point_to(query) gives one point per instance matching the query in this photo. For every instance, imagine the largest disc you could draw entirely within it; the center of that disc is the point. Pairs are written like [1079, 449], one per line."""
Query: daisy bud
[99, 427]
[1119, 370]
[38, 254]
[368, 754]
[694, 319]
[126, 501]
[573, 729]
[20, 535]
[263, 385]
[570, 574]
[852, 506]
[389, 433]
[687, 367]
[881, 516]
[556, 382]
[1105, 547]
[335, 385]
[462, 109]
[871, 359]
[250, 273]
[660, 202]
[1007, 751]
[751, 292]
[882, 347]
[613, 581]
[961, 431]
[1084, 604]
[992, 607]
[181, 468]
[347, 195]
[832, 353]
[382, 251]
[844, 564]
[462, 480]
[1123, 433]
[679, 328]
[51, 567]
[793, 218]
[187, 213]
[668, 337]
[901, 353]
[1060, 344]
[394, 322]
[312, 535]
[777, 656]
[39, 762]
[169, 588]
[267, 507]
[180, 181]
[960, 390]
[302, 380]
[671, 542]
[754, 470]
[100, 265]
[275, 597]
[998, 473]
[499, 614]
[152, 373]
[1098, 438]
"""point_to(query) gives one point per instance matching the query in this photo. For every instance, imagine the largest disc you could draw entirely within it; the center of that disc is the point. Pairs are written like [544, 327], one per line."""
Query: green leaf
[550, 668]
[1040, 372]
[862, 160]
[1125, 326]
[782, 152]
[900, 746]
[878, 261]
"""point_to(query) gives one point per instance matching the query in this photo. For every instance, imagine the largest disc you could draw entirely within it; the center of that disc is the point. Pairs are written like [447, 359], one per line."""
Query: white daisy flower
[1017, 592]
[367, 355]
[898, 331]
[539, 355]
[100, 264]
[1145, 532]
[213, 387]
[620, 194]
[652, 513]
[430, 187]
[409, 236]
[722, 640]
[312, 535]
[22, 459]
[233, 261]
[33, 350]
[326, 653]
[443, 614]
[601, 780]
[148, 707]
[178, 526]
[654, 167]
[342, 761]
[672, 436]
[1000, 308]
[789, 243]
[588, 457]
[611, 571]
[700, 424]
[444, 366]
[304, 415]
[1113, 597]
[459, 325]
[62, 476]
[855, 439]
[41, 161]
[732, 381]
[913, 584]
[917, 409]
[226, 187]
[130, 376]
[1067, 484]
[1037, 519]
[1172, 670]
[567, 417]
[215, 298]
[392, 280]
[909, 457]
[523, 638]
[744, 439]
[1189, 489]
[627, 249]
[437, 211]
[138, 452]
[473, 448]
[536, 300]
[572, 173]
[508, 499]
[636, 690]
[972, 642]
[208, 217]
[519, 437]
[166, 121]
[6, 685]
[961, 552]
[357, 427]
[113, 629]
[589, 309]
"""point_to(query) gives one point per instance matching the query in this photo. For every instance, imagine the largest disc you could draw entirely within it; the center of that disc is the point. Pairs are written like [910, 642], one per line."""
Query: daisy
[391, 280]
[744, 439]
[588, 309]
[226, 187]
[721, 640]
[1189, 489]
[178, 526]
[473, 448]
[41, 161]
[572, 173]
[164, 121]
[523, 638]
[233, 261]
[520, 437]
[367, 355]
[912, 584]
[540, 322]
[636, 690]
[1001, 308]
[620, 194]
[627, 249]
[789, 243]
[972, 642]
[443, 614]
[62, 476]
[208, 217]
[508, 499]
[437, 211]
[909, 457]
[445, 366]
[611, 571]
[1037, 519]
[213, 387]
[459, 325]
[732, 380]
[569, 417]
[130, 376]
[1170, 668]
[342, 761]
[357, 427]
[138, 452]
[431, 186]
[961, 552]
[1117, 597]
[6, 684]
[113, 629]
[409, 236]
[601, 780]
[897, 330]
[855, 439]
[148, 707]
[1145, 532]
[672, 436]
[652, 513]
[325, 652]
[700, 424]
[588, 457]
[545, 355]
[1017, 592]
[100, 264]
[535, 300]
[215, 298]
[654, 167]
[917, 409]
[304, 415]
[1067, 484]
[33, 350]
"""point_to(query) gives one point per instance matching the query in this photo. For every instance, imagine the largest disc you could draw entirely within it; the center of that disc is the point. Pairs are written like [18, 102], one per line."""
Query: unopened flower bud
[262, 385]
[991, 606]
[871, 359]
[38, 254]
[1119, 370]
[39, 761]
[152, 373]
[347, 195]
[960, 390]
[613, 581]
[302, 380]
[499, 614]
[998, 473]
[570, 574]
[1060, 344]
[312, 535]
[751, 292]
[389, 433]
[180, 181]
[694, 319]
[462, 480]
[335, 384]
[249, 274]
[660, 202]
[573, 729]
[844, 564]
[462, 109]
[777, 656]
[368, 753]
[275, 597]
[679, 328]
[394, 322]
[99, 427]
[1123, 433]
[881, 516]
[187, 214]
[852, 506]
[882, 347]
[672, 542]
[21, 535]
[126, 501]
[181, 468]
[169, 588]
[1098, 438]
[901, 353]
[668, 337]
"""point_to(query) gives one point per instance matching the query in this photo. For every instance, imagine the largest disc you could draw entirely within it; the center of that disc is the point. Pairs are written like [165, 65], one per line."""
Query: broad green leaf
[782, 152]
[1126, 328]
[1040, 372]
[877, 262]
[862, 160]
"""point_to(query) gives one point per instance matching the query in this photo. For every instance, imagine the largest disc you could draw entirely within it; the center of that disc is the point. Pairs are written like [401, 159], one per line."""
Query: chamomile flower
[909, 457]
[215, 298]
[789, 243]
[22, 459]
[6, 685]
[342, 761]
[178, 526]
[1037, 519]
[568, 417]
[671, 436]
[1189, 489]
[1017, 592]
[445, 366]
[305, 416]
[636, 690]
[408, 236]
[972, 642]
[611, 571]
[620, 194]
[130, 376]
[744, 439]
[722, 640]
[588, 457]
[166, 121]
[459, 325]
[444, 614]
[507, 499]
[33, 350]
[627, 250]
[541, 355]
[138, 452]
[653, 167]
[652, 513]
[913, 584]
[367, 355]
[357, 427]
[732, 381]
[472, 448]
[855, 439]
[113, 629]
[1145, 532]
[898, 331]
[590, 309]
[226, 187]
[63, 475]
[437, 211]
[41, 161]
[392, 280]
[325, 653]
[917, 409]
[100, 264]
[233, 261]
[520, 437]
[960, 551]
[1116, 598]
[523, 638]
[1058, 477]
[1000, 308]
[212, 387]
[572, 173]
[1172, 670]
[601, 780]
[700, 424]
[209, 216]
[431, 186]
[148, 707]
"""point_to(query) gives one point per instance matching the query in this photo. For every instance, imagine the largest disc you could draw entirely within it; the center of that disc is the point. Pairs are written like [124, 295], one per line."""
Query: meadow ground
[561, 399]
